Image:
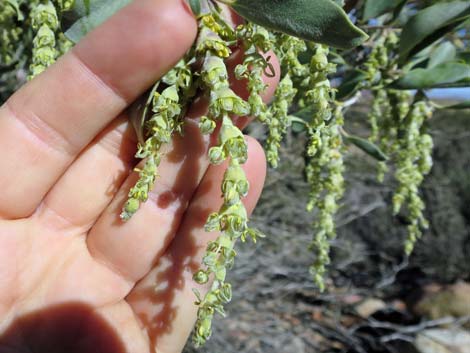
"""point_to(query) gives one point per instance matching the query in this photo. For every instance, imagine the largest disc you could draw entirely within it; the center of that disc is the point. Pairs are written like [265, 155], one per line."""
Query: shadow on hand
[179, 259]
[66, 328]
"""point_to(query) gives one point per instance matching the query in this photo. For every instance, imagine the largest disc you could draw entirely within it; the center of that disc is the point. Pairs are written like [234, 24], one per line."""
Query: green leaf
[87, 6]
[375, 8]
[368, 147]
[464, 56]
[430, 24]
[453, 74]
[353, 81]
[441, 54]
[16, 6]
[94, 12]
[195, 6]
[300, 119]
[321, 21]
[304, 114]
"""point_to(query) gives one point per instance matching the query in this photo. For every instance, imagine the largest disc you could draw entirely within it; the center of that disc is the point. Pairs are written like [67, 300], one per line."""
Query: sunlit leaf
[321, 21]
[430, 24]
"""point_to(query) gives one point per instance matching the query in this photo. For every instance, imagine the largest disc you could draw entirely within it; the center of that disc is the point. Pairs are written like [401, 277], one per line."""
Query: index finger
[50, 120]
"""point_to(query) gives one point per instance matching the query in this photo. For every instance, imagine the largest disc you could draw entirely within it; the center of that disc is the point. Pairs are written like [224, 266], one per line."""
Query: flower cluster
[64, 5]
[402, 136]
[163, 117]
[279, 119]
[379, 68]
[324, 173]
[231, 220]
[379, 63]
[45, 22]
[32, 25]
[10, 33]
[257, 41]
[165, 114]
[413, 161]
[324, 170]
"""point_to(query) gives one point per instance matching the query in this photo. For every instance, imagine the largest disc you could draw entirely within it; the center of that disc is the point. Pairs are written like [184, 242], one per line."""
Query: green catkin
[413, 162]
[161, 126]
[45, 23]
[325, 175]
[165, 119]
[168, 111]
[287, 49]
[379, 97]
[10, 32]
[256, 43]
[324, 170]
[278, 120]
[387, 133]
[379, 67]
[231, 220]
[403, 138]
[64, 5]
[63, 44]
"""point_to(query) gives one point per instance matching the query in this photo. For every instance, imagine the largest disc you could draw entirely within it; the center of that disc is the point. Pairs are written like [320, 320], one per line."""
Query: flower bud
[206, 125]
[216, 155]
[225, 293]
[201, 277]
[213, 222]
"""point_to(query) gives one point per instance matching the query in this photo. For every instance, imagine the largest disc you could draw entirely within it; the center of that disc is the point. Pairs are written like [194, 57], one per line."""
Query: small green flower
[224, 100]
[214, 73]
[201, 277]
[45, 14]
[207, 125]
[45, 21]
[209, 41]
[278, 118]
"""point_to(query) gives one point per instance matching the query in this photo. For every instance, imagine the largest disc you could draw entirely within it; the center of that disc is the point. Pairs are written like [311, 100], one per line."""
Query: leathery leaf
[321, 21]
[368, 147]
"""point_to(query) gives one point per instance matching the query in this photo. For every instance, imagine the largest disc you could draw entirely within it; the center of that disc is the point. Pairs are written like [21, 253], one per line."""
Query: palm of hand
[42, 269]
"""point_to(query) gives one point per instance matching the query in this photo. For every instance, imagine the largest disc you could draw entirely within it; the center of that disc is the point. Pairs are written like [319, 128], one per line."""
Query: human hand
[73, 276]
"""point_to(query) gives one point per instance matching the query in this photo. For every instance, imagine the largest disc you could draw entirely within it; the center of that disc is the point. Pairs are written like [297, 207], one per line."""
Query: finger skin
[163, 300]
[92, 180]
[51, 119]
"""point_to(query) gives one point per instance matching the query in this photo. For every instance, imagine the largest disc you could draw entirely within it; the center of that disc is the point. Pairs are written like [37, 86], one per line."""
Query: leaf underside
[321, 21]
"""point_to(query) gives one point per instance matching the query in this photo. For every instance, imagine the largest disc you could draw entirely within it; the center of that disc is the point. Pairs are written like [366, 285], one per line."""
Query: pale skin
[73, 277]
